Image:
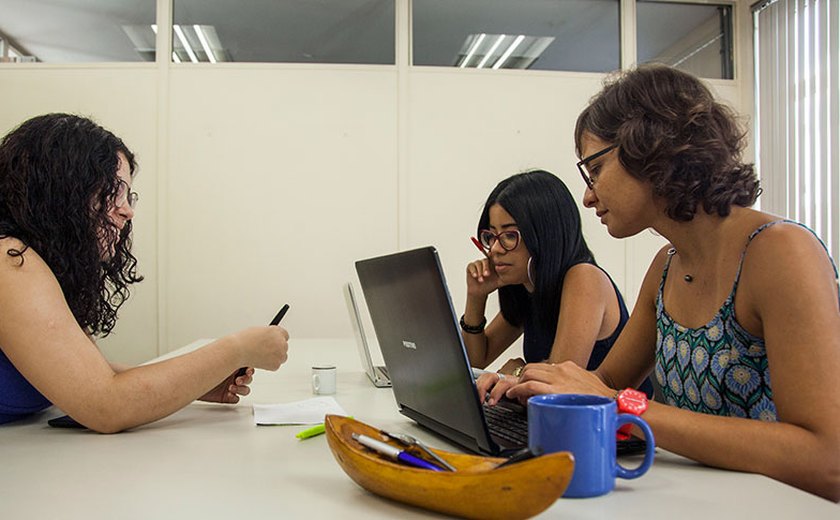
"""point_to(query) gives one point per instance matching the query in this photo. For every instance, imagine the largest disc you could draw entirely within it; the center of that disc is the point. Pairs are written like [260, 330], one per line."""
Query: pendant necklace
[688, 278]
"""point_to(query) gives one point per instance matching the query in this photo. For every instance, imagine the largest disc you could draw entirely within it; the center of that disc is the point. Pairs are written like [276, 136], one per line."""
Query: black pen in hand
[274, 322]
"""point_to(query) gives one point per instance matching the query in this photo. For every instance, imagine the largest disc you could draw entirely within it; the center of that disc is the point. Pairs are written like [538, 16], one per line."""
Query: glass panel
[76, 31]
[696, 38]
[576, 35]
[292, 31]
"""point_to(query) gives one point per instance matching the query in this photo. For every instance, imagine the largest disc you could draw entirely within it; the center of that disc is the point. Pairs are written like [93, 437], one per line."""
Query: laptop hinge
[460, 438]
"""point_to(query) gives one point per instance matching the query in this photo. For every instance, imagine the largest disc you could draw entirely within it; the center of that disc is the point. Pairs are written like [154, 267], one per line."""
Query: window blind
[797, 130]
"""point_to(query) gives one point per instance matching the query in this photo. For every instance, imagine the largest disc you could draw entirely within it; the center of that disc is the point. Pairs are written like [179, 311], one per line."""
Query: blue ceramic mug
[586, 426]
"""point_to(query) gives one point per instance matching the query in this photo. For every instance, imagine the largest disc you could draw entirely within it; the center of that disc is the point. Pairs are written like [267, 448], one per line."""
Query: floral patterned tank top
[719, 368]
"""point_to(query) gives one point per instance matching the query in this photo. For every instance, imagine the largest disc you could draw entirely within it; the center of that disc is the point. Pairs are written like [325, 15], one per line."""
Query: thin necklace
[688, 278]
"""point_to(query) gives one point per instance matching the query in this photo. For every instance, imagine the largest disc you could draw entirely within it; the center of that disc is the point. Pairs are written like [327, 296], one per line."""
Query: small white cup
[323, 379]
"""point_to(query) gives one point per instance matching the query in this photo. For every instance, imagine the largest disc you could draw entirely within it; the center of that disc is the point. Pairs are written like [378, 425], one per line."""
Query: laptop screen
[420, 340]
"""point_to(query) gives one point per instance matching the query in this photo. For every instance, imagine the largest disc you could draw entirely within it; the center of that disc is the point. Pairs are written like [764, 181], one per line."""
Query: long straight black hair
[549, 223]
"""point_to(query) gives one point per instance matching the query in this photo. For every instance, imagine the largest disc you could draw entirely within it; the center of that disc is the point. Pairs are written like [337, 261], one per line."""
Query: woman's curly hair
[58, 182]
[671, 132]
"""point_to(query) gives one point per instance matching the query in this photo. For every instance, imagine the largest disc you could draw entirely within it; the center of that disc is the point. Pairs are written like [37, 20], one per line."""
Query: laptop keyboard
[631, 446]
[510, 425]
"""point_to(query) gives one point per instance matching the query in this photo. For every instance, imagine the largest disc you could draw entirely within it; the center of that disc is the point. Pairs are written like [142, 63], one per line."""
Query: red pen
[479, 246]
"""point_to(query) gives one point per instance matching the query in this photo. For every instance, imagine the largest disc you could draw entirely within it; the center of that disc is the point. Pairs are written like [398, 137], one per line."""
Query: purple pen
[394, 453]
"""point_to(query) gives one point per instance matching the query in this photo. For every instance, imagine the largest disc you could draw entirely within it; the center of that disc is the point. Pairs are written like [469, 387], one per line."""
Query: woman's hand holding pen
[261, 347]
[274, 322]
[229, 390]
[264, 347]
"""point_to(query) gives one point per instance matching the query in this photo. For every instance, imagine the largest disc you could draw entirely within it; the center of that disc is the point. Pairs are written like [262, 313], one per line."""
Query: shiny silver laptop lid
[378, 375]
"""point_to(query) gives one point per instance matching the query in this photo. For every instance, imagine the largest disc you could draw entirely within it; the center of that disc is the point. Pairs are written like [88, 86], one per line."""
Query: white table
[210, 461]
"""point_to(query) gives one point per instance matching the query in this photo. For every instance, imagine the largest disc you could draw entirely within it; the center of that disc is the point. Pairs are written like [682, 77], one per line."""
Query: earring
[530, 278]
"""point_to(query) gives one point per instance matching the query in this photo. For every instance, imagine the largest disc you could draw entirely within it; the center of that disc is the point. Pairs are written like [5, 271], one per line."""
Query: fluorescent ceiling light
[190, 43]
[180, 33]
[509, 51]
[502, 50]
[204, 44]
[491, 51]
[473, 47]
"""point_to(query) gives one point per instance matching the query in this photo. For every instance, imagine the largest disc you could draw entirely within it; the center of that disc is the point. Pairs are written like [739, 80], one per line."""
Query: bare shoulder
[659, 259]
[15, 254]
[653, 276]
[785, 272]
[22, 269]
[783, 234]
[786, 248]
[11, 244]
[586, 278]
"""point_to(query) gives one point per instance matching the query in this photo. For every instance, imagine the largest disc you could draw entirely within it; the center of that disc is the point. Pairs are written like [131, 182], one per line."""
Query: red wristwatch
[633, 402]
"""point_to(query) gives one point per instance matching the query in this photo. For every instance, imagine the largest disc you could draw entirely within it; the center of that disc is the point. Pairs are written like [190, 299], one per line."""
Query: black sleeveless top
[538, 341]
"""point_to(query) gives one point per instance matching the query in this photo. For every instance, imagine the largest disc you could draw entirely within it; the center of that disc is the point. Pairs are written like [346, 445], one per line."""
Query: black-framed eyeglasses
[507, 239]
[588, 175]
[126, 195]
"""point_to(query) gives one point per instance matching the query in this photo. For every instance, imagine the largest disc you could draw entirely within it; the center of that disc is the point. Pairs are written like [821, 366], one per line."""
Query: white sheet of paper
[308, 411]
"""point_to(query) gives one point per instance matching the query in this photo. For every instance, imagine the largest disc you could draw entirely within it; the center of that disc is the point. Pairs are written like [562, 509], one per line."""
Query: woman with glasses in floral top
[738, 315]
[550, 288]
[66, 210]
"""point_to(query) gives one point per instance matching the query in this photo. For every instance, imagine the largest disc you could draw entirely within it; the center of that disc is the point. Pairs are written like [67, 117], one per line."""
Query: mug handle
[626, 473]
[316, 382]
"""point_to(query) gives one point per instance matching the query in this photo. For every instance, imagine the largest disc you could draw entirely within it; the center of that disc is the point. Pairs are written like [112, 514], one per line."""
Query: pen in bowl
[519, 456]
[274, 322]
[408, 440]
[394, 453]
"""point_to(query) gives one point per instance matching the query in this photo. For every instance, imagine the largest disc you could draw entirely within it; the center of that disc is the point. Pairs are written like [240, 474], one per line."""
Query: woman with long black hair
[550, 287]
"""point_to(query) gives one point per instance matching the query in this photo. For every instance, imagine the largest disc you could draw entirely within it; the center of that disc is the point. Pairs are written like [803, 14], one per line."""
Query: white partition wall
[260, 184]
[278, 180]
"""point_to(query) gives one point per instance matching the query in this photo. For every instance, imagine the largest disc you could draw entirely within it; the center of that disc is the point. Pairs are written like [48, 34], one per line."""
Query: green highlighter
[312, 432]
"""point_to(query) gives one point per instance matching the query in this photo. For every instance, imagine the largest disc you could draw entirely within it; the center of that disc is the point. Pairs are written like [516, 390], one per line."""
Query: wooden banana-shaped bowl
[475, 490]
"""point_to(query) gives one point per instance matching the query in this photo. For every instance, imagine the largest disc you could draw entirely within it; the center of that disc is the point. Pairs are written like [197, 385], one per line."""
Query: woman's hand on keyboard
[562, 378]
[493, 385]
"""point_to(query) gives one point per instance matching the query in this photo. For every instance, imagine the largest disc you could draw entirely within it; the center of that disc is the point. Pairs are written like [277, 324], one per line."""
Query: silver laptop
[378, 375]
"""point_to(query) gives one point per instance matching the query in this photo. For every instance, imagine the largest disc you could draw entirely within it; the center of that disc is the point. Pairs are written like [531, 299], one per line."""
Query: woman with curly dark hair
[738, 299]
[66, 266]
